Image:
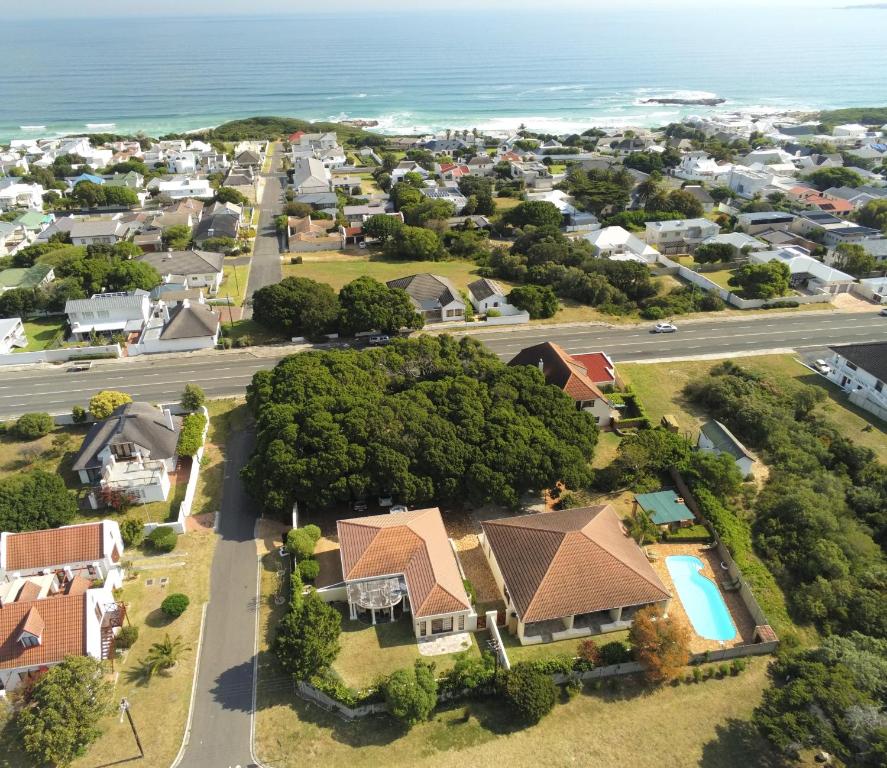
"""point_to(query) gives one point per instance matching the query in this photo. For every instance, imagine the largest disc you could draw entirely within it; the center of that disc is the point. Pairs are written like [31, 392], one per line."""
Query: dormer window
[32, 629]
[28, 640]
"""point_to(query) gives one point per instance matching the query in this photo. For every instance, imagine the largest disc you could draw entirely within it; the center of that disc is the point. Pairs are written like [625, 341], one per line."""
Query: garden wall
[61, 355]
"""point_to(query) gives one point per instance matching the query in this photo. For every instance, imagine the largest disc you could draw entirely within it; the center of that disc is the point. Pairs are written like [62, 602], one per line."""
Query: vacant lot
[660, 386]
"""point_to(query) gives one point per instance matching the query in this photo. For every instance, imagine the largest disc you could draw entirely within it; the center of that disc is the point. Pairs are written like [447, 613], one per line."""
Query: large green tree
[33, 500]
[854, 259]
[873, 214]
[762, 281]
[835, 177]
[61, 715]
[538, 213]
[307, 639]
[131, 276]
[365, 304]
[411, 694]
[297, 306]
[414, 244]
[529, 692]
[381, 226]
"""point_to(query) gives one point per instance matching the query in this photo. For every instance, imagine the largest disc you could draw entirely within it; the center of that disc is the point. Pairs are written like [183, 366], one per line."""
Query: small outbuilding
[715, 437]
[666, 509]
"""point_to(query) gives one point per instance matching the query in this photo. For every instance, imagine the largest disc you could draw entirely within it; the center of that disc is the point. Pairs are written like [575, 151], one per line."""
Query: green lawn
[517, 652]
[659, 389]
[17, 455]
[224, 415]
[234, 280]
[42, 332]
[340, 271]
[369, 653]
[247, 329]
[605, 452]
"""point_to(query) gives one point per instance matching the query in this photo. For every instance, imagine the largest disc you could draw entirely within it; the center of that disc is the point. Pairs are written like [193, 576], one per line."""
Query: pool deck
[711, 569]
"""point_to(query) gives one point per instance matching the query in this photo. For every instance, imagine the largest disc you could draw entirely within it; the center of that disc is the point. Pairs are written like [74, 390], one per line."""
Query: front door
[441, 625]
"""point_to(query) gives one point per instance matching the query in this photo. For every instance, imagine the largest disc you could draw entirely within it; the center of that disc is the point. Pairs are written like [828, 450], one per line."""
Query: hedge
[327, 682]
[174, 605]
[162, 539]
[30, 426]
[191, 436]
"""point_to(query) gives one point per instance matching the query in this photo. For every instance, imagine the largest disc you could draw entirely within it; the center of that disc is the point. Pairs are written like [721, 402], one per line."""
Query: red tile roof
[71, 544]
[63, 633]
[575, 561]
[561, 370]
[597, 366]
[414, 544]
[294, 137]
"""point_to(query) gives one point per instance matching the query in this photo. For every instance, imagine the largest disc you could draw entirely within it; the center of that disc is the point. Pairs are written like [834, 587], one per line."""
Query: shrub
[295, 259]
[723, 669]
[30, 426]
[697, 674]
[561, 664]
[162, 539]
[78, 414]
[193, 397]
[494, 313]
[132, 532]
[661, 643]
[300, 542]
[411, 694]
[309, 569]
[243, 341]
[174, 605]
[589, 652]
[615, 653]
[529, 693]
[737, 666]
[103, 404]
[127, 636]
[191, 436]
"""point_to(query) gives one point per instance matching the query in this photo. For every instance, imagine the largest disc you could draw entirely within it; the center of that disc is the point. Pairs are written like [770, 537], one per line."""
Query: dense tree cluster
[90, 195]
[600, 191]
[33, 500]
[428, 421]
[762, 281]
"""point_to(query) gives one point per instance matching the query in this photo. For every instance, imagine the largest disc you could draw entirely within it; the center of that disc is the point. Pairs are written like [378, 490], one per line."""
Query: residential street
[265, 268]
[53, 389]
[221, 728]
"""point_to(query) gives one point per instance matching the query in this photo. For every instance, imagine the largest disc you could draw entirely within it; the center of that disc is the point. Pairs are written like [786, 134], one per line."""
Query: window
[461, 624]
[879, 386]
[439, 626]
[850, 366]
[28, 640]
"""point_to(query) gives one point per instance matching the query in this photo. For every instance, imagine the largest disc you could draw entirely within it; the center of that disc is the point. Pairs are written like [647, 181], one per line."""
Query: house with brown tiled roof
[569, 574]
[402, 564]
[90, 550]
[570, 375]
[45, 618]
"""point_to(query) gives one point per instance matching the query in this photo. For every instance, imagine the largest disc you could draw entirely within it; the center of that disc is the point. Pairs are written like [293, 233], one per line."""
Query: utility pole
[124, 706]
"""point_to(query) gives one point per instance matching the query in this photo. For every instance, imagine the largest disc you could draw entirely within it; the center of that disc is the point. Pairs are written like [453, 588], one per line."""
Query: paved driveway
[221, 725]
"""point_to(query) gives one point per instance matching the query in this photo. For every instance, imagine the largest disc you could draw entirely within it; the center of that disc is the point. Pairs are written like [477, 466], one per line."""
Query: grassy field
[605, 452]
[517, 652]
[369, 653]
[340, 271]
[705, 724]
[248, 329]
[234, 280]
[53, 453]
[659, 387]
[41, 332]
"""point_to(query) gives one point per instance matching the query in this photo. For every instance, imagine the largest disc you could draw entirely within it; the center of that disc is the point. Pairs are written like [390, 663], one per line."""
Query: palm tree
[164, 655]
[643, 529]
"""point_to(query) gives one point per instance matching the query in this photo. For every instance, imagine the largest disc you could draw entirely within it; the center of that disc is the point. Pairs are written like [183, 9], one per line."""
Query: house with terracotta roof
[402, 564]
[46, 618]
[90, 550]
[307, 234]
[569, 574]
[571, 376]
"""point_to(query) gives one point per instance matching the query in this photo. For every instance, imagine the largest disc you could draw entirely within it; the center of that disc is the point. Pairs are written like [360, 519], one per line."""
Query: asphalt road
[52, 389]
[265, 269]
[221, 724]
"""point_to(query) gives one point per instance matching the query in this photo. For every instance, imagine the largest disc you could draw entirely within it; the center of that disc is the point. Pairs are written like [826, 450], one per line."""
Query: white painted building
[619, 244]
[861, 371]
[680, 235]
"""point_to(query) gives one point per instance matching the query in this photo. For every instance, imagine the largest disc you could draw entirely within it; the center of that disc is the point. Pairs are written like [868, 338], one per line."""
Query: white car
[664, 328]
[821, 366]
[379, 341]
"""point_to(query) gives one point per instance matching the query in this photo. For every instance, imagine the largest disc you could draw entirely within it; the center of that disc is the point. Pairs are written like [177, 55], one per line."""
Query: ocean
[417, 72]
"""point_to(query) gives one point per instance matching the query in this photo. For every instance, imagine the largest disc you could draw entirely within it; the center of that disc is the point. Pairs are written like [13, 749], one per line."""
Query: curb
[186, 737]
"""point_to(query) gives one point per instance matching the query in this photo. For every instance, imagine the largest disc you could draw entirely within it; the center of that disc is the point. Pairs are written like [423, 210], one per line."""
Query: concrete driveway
[221, 726]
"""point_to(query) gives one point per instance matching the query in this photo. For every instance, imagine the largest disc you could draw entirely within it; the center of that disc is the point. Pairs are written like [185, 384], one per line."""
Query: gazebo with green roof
[665, 508]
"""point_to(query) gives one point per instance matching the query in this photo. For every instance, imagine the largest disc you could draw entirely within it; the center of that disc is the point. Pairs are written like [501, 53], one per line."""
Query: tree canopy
[854, 259]
[538, 213]
[365, 304]
[428, 421]
[33, 500]
[661, 643]
[762, 281]
[414, 244]
[297, 306]
[411, 694]
[824, 178]
[307, 638]
[102, 404]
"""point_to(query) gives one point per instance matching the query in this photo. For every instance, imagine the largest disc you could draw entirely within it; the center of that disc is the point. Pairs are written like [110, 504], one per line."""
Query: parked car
[883, 312]
[664, 328]
[379, 341]
[821, 366]
[360, 505]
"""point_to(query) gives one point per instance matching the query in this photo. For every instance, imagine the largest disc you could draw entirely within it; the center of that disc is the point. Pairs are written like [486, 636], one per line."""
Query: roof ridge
[614, 556]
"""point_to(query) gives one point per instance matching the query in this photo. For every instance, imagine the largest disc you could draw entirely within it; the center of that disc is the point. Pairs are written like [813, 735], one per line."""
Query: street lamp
[124, 708]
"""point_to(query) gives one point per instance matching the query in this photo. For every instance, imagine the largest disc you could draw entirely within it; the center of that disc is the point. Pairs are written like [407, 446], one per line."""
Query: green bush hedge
[132, 532]
[174, 605]
[127, 636]
[309, 569]
[191, 436]
[30, 426]
[328, 683]
[162, 539]
[300, 542]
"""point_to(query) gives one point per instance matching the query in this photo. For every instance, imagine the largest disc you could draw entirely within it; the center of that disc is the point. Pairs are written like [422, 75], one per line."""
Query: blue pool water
[704, 605]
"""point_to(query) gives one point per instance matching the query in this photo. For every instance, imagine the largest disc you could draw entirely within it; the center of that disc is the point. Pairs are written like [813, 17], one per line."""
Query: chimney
[169, 422]
[541, 364]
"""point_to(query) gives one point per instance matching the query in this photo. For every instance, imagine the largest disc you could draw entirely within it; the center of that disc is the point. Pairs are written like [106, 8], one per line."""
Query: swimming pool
[701, 599]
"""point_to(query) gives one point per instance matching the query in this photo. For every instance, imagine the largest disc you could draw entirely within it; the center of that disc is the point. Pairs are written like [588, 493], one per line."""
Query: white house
[192, 268]
[873, 288]
[714, 437]
[407, 166]
[434, 297]
[85, 231]
[564, 203]
[12, 334]
[108, 313]
[619, 244]
[698, 166]
[850, 131]
[91, 550]
[486, 294]
[681, 235]
[763, 221]
[310, 175]
[747, 182]
[861, 371]
[448, 194]
[14, 194]
[132, 451]
[806, 272]
[178, 189]
[187, 327]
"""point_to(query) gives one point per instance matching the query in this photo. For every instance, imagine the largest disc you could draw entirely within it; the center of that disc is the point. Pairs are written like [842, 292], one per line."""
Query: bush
[174, 605]
[78, 414]
[615, 653]
[589, 652]
[529, 693]
[295, 259]
[411, 694]
[162, 539]
[127, 636]
[309, 569]
[697, 674]
[191, 436]
[193, 397]
[300, 542]
[494, 313]
[132, 532]
[723, 670]
[30, 426]
[737, 666]
[103, 404]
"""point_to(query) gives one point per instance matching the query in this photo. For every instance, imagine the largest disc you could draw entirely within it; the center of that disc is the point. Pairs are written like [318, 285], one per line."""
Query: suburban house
[861, 371]
[357, 214]
[599, 368]
[217, 224]
[433, 296]
[242, 180]
[107, 313]
[833, 205]
[698, 166]
[89, 550]
[398, 564]
[449, 194]
[177, 189]
[26, 277]
[666, 509]
[569, 375]
[191, 268]
[486, 294]
[739, 240]
[307, 234]
[15, 194]
[12, 334]
[680, 236]
[762, 221]
[619, 244]
[850, 233]
[565, 204]
[310, 175]
[807, 273]
[187, 327]
[12, 237]
[98, 231]
[481, 165]
[569, 574]
[873, 288]
[44, 619]
[716, 438]
[132, 451]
